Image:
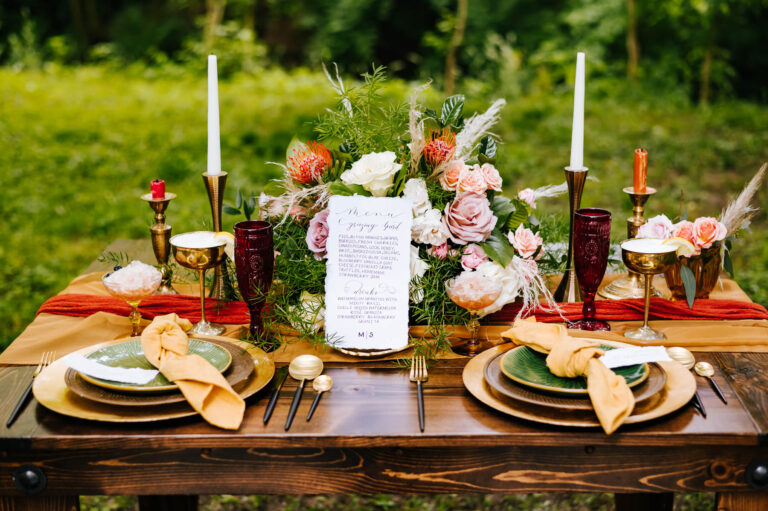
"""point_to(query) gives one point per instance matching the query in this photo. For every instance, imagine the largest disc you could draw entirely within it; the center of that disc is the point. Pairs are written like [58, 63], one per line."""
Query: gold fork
[46, 360]
[419, 375]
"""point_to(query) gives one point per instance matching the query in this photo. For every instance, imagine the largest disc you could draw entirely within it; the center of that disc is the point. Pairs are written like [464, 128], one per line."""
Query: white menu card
[366, 286]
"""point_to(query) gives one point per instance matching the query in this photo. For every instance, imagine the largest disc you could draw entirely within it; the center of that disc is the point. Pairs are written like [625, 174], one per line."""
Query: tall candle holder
[161, 234]
[568, 290]
[633, 285]
[214, 185]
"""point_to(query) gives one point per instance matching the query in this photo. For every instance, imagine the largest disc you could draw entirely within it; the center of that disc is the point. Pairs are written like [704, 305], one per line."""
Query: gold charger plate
[51, 391]
[678, 391]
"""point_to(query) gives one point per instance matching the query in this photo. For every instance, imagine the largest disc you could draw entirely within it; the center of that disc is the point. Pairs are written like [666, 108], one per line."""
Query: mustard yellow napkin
[569, 357]
[165, 345]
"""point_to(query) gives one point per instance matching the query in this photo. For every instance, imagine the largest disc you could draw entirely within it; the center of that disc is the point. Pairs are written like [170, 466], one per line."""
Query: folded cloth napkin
[569, 357]
[165, 344]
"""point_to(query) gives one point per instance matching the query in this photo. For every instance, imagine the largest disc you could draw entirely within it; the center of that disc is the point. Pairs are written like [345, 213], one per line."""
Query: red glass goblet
[254, 262]
[591, 244]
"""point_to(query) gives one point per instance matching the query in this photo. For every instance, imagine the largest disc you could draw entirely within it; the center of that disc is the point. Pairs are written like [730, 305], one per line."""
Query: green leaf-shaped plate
[529, 367]
[129, 354]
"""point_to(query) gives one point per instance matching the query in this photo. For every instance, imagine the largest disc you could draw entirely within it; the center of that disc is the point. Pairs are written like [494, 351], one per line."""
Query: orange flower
[440, 147]
[307, 163]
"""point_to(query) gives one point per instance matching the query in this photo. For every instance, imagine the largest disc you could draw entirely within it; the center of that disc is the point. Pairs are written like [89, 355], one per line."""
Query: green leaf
[339, 188]
[520, 215]
[689, 283]
[502, 207]
[249, 207]
[274, 188]
[452, 109]
[430, 114]
[534, 222]
[487, 150]
[230, 210]
[294, 145]
[239, 198]
[497, 247]
[728, 263]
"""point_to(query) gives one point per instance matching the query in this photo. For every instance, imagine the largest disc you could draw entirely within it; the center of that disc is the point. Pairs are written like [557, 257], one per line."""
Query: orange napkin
[165, 344]
[569, 357]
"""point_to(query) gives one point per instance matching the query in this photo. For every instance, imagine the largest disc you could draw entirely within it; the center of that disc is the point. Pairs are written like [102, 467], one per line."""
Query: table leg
[743, 501]
[40, 503]
[167, 503]
[644, 501]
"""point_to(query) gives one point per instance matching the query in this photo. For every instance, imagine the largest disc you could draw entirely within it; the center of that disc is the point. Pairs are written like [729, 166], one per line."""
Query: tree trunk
[633, 48]
[76, 11]
[456, 39]
[214, 13]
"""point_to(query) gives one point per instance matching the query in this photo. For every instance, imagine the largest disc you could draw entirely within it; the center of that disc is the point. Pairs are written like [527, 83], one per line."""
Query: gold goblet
[647, 257]
[133, 293]
[200, 251]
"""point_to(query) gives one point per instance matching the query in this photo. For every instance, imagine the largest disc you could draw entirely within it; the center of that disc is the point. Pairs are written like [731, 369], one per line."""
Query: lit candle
[577, 135]
[158, 189]
[640, 176]
[214, 147]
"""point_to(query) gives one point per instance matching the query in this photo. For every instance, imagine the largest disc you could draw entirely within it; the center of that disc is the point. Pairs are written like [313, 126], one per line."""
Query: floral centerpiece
[443, 163]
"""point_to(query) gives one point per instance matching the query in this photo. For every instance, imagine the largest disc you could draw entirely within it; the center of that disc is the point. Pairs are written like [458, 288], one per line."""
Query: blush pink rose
[469, 218]
[684, 229]
[491, 176]
[528, 196]
[659, 227]
[317, 233]
[450, 178]
[438, 251]
[473, 256]
[708, 230]
[525, 241]
[472, 180]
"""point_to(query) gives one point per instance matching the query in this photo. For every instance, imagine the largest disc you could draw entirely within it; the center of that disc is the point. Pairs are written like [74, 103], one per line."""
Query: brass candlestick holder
[633, 285]
[214, 185]
[569, 290]
[161, 234]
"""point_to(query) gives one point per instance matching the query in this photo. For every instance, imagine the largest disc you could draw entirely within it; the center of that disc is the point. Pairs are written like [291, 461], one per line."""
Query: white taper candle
[577, 135]
[214, 146]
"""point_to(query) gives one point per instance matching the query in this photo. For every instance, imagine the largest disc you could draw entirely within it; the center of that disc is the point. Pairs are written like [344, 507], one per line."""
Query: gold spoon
[322, 383]
[687, 360]
[302, 368]
[706, 370]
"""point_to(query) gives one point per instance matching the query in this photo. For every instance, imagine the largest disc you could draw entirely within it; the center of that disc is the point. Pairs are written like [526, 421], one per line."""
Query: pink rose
[708, 230]
[659, 227]
[317, 233]
[491, 176]
[473, 257]
[469, 218]
[684, 229]
[438, 251]
[528, 196]
[472, 180]
[450, 178]
[525, 241]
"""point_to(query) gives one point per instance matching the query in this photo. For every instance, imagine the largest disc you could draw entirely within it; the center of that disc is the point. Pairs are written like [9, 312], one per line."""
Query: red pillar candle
[158, 189]
[641, 170]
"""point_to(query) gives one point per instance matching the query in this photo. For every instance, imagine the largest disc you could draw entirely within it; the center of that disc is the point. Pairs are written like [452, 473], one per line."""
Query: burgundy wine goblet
[591, 244]
[254, 262]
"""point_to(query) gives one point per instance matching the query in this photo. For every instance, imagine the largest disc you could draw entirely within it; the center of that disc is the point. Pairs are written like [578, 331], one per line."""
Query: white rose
[416, 190]
[374, 172]
[418, 268]
[429, 228]
[511, 283]
[310, 310]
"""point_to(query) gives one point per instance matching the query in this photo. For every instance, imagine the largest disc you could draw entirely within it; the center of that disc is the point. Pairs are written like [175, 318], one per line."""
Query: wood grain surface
[365, 438]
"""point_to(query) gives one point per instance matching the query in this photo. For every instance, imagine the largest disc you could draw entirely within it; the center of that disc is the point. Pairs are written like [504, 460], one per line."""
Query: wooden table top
[372, 408]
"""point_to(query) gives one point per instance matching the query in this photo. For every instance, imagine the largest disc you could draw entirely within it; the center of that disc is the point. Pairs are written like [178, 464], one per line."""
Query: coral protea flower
[440, 147]
[308, 162]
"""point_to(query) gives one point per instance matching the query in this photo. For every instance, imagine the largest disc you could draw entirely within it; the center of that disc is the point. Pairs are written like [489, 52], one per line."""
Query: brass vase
[705, 267]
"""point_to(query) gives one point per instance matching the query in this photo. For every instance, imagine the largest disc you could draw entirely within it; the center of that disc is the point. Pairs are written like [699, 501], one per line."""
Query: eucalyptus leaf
[239, 199]
[452, 109]
[230, 210]
[689, 283]
[728, 263]
[250, 206]
[497, 247]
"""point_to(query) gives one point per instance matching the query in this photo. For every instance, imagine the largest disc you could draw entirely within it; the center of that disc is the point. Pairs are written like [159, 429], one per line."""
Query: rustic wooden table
[364, 438]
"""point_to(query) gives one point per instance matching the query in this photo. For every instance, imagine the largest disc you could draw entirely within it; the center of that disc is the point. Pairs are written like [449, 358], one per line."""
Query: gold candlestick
[633, 285]
[161, 234]
[569, 290]
[214, 184]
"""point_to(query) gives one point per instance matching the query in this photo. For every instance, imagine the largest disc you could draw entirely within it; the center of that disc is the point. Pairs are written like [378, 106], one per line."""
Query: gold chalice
[134, 290]
[648, 257]
[200, 251]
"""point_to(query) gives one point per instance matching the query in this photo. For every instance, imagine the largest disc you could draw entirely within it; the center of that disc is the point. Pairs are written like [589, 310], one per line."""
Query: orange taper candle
[641, 170]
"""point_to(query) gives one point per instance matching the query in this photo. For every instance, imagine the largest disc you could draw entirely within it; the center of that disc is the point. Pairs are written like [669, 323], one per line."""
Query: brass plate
[678, 391]
[237, 375]
[646, 394]
[51, 391]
